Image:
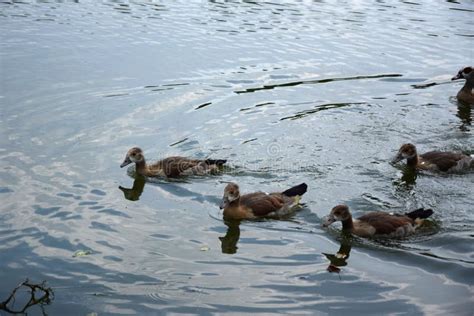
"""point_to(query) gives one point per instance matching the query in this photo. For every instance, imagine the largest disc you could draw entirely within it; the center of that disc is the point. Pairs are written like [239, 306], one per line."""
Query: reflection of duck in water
[172, 166]
[408, 177]
[465, 114]
[339, 259]
[231, 238]
[260, 204]
[433, 160]
[466, 95]
[134, 193]
[378, 223]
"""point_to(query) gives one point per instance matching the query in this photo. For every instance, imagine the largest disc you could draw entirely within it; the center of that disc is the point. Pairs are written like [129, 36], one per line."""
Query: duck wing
[175, 166]
[444, 160]
[261, 203]
[384, 223]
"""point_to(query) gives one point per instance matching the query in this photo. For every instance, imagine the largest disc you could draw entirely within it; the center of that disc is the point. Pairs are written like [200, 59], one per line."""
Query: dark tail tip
[218, 162]
[300, 189]
[420, 213]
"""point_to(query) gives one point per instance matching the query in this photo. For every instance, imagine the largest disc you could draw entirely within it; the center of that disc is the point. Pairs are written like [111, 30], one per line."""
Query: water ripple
[83, 81]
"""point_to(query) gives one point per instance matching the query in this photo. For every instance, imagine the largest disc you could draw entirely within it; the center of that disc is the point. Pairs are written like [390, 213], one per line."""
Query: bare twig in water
[46, 295]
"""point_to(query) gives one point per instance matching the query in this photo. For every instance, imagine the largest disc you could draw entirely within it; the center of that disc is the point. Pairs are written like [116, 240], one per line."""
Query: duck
[170, 167]
[434, 160]
[466, 95]
[259, 204]
[378, 224]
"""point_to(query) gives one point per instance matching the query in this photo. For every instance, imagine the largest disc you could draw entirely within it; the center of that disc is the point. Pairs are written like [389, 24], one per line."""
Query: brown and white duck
[172, 166]
[433, 160]
[377, 223]
[260, 204]
[466, 94]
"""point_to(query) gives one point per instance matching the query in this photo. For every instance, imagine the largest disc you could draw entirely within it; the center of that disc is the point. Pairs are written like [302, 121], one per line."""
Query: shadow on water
[297, 83]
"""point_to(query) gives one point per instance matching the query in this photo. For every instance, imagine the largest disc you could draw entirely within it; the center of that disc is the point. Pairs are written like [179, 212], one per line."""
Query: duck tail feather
[299, 189]
[420, 213]
[217, 162]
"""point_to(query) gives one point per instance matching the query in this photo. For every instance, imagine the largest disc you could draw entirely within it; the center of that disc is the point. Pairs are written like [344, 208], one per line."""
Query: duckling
[466, 95]
[378, 223]
[433, 160]
[172, 166]
[260, 204]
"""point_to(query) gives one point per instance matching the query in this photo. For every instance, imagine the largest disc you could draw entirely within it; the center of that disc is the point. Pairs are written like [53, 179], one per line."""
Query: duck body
[260, 204]
[444, 161]
[378, 223]
[171, 167]
[466, 95]
[434, 160]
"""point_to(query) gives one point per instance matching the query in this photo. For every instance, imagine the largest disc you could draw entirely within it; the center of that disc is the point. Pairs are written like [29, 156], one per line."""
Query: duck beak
[224, 203]
[398, 157]
[328, 220]
[458, 76]
[127, 161]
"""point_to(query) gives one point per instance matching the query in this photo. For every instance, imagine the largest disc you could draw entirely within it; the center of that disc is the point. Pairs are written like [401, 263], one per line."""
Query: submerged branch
[45, 298]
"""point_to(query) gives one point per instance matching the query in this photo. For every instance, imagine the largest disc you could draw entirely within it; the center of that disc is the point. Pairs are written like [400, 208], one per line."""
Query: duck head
[465, 73]
[231, 193]
[135, 155]
[338, 213]
[406, 151]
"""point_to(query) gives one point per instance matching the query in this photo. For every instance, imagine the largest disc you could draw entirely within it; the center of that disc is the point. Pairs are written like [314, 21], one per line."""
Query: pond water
[322, 92]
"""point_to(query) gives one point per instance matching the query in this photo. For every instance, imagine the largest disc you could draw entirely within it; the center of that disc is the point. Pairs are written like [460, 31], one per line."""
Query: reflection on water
[317, 81]
[465, 114]
[317, 108]
[464, 110]
[407, 179]
[290, 92]
[231, 238]
[133, 194]
[339, 259]
[39, 296]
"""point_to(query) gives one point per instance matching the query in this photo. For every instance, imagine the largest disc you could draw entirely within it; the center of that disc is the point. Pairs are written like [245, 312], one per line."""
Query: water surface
[322, 92]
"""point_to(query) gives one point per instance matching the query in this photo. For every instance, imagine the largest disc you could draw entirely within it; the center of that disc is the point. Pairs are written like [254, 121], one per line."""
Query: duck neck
[413, 161]
[141, 166]
[235, 203]
[347, 224]
[233, 210]
[468, 86]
